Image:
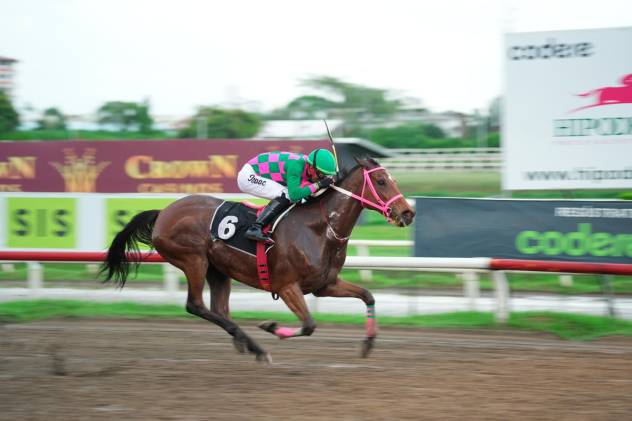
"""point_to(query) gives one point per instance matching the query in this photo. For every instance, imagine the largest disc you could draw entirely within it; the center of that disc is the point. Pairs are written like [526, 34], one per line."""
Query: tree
[433, 131]
[410, 136]
[9, 117]
[347, 101]
[126, 116]
[305, 107]
[356, 100]
[52, 119]
[494, 112]
[218, 123]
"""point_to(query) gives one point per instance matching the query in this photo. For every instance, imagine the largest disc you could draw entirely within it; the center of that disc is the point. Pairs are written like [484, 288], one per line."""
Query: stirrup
[256, 233]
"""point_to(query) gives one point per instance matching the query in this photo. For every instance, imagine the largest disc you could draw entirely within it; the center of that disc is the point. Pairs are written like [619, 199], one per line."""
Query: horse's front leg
[293, 298]
[346, 289]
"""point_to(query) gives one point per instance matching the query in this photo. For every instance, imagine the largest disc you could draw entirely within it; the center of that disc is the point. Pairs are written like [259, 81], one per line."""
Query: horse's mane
[366, 162]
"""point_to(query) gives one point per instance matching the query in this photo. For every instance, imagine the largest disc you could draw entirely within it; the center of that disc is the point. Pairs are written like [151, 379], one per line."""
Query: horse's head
[374, 187]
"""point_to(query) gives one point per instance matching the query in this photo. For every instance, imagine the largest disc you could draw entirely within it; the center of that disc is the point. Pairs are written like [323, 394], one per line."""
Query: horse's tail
[124, 250]
[589, 93]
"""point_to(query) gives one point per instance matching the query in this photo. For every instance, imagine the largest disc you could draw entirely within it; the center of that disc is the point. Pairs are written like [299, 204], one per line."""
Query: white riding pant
[251, 183]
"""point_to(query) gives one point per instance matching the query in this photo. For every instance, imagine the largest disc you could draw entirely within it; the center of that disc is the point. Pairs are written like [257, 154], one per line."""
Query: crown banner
[143, 166]
[567, 110]
[595, 231]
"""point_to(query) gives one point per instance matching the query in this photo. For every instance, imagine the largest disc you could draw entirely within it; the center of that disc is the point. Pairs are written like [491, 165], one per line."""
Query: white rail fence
[467, 268]
[444, 159]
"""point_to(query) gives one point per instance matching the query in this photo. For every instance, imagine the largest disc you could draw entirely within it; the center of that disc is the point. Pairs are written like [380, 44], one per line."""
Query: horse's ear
[363, 162]
[366, 162]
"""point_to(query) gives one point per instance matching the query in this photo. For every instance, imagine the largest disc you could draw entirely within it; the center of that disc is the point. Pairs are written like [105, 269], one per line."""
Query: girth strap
[262, 265]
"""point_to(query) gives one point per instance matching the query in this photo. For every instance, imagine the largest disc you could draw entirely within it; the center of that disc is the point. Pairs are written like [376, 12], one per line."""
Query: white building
[7, 72]
[298, 129]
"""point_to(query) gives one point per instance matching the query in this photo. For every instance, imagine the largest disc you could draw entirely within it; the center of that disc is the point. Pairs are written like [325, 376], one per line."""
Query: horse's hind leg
[293, 298]
[346, 289]
[195, 271]
[219, 285]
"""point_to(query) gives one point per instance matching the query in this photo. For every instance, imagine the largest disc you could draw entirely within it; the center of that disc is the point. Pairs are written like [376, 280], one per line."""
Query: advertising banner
[119, 211]
[41, 223]
[567, 111]
[564, 230]
[149, 166]
[75, 221]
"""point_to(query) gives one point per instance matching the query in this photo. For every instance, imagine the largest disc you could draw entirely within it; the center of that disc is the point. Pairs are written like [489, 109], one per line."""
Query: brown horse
[309, 252]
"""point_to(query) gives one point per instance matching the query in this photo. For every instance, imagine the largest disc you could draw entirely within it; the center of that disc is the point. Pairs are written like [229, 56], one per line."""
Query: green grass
[56, 272]
[565, 326]
[25, 311]
[570, 326]
[449, 183]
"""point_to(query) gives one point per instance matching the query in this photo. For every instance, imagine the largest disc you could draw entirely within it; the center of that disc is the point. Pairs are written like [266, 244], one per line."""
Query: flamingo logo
[610, 94]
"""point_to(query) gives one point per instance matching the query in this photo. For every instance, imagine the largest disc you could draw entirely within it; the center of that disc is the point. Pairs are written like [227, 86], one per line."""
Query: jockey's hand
[325, 182]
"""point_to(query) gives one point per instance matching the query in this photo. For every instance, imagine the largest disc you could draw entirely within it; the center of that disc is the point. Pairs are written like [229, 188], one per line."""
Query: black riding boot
[271, 211]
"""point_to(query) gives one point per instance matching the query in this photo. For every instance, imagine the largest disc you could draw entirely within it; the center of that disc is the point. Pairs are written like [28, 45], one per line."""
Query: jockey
[284, 178]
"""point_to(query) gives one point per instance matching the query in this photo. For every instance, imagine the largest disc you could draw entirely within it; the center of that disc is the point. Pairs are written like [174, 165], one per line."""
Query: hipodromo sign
[568, 110]
[165, 166]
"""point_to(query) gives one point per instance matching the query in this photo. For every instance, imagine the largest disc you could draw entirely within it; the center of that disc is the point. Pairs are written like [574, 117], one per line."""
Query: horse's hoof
[367, 346]
[268, 326]
[239, 346]
[264, 357]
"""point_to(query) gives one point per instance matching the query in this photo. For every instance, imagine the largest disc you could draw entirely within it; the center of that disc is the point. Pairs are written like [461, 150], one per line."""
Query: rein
[378, 204]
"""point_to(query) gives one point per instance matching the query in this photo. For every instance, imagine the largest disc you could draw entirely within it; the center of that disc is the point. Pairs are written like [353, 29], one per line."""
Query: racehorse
[309, 252]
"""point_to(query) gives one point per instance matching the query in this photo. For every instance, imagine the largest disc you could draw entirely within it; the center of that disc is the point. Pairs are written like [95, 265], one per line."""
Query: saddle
[231, 220]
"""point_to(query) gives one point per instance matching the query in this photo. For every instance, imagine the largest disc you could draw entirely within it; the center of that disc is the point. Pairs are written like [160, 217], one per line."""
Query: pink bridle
[379, 204]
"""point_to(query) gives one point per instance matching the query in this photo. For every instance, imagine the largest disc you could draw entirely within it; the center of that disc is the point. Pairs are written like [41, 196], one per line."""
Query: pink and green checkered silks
[286, 168]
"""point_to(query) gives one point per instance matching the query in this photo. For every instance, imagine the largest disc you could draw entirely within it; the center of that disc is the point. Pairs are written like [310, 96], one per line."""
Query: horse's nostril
[408, 216]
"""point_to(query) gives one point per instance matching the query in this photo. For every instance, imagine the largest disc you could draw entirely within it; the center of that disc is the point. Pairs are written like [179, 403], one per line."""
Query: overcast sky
[77, 54]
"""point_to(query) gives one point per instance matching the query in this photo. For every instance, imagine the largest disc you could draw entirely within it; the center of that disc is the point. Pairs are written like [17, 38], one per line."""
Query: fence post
[92, 268]
[8, 267]
[471, 289]
[608, 293]
[566, 280]
[313, 307]
[501, 292]
[365, 274]
[34, 276]
[170, 278]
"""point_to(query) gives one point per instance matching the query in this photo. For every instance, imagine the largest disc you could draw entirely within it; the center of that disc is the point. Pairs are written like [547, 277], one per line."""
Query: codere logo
[582, 242]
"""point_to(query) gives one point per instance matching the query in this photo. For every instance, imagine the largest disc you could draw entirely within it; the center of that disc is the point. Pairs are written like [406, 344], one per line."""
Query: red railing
[385, 262]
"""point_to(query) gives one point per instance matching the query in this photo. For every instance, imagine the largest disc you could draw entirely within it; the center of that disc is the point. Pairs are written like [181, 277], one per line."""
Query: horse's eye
[381, 182]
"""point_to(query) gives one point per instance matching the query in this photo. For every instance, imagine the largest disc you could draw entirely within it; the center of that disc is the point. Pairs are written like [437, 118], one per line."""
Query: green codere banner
[41, 222]
[568, 230]
[119, 211]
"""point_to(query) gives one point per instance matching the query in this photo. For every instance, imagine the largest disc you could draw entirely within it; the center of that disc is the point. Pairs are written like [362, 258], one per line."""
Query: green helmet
[323, 160]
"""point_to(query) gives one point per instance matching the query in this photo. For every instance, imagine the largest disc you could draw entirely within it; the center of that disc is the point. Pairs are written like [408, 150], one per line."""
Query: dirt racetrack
[189, 370]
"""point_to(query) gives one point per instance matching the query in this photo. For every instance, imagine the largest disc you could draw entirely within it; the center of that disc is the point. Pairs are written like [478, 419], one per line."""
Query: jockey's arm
[294, 171]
